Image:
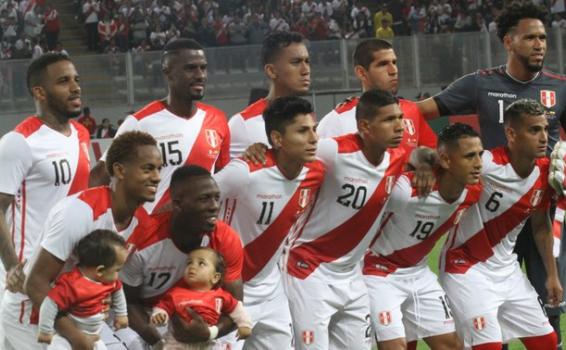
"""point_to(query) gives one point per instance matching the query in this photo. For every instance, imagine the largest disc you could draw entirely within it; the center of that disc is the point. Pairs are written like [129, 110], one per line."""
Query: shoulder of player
[269, 162]
[348, 143]
[474, 192]
[543, 163]
[149, 110]
[97, 199]
[28, 126]
[210, 110]
[554, 76]
[486, 72]
[347, 105]
[83, 133]
[224, 233]
[498, 156]
[151, 230]
[254, 110]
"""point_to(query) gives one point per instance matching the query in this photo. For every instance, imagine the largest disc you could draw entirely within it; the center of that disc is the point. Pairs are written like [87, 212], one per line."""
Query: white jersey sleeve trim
[239, 140]
[233, 178]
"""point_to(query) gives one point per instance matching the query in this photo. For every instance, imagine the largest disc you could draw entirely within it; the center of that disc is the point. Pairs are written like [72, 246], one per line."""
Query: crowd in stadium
[30, 27]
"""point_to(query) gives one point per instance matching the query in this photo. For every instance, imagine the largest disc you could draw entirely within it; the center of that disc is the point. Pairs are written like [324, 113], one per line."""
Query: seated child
[199, 289]
[81, 292]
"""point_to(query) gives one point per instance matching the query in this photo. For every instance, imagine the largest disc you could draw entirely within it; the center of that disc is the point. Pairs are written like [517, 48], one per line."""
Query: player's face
[197, 203]
[530, 137]
[141, 175]
[382, 72]
[300, 139]
[60, 92]
[291, 71]
[201, 271]
[110, 274]
[385, 130]
[527, 44]
[464, 161]
[186, 73]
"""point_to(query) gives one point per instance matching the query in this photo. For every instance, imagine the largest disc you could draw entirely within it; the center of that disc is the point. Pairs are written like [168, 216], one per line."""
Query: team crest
[389, 182]
[205, 242]
[536, 197]
[548, 98]
[304, 197]
[212, 137]
[218, 304]
[385, 318]
[409, 126]
[458, 216]
[479, 323]
[308, 337]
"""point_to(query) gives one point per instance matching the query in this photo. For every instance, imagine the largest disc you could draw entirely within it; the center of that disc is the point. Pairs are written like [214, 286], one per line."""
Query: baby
[81, 292]
[200, 291]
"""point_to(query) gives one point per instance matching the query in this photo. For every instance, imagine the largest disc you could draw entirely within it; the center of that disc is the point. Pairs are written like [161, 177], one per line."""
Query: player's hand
[120, 322]
[556, 176]
[15, 278]
[159, 319]
[192, 332]
[424, 179]
[255, 153]
[554, 290]
[44, 338]
[244, 332]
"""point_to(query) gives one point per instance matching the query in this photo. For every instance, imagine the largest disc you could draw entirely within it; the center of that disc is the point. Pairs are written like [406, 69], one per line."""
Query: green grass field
[517, 345]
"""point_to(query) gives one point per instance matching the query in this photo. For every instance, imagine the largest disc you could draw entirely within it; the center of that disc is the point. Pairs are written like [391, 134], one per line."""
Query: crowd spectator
[105, 130]
[88, 121]
[52, 27]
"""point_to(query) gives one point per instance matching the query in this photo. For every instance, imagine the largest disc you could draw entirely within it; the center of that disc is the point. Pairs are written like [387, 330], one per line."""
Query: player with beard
[188, 132]
[488, 92]
[375, 65]
[44, 159]
[286, 63]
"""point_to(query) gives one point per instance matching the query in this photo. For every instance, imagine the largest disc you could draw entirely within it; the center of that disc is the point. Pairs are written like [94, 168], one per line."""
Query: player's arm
[458, 98]
[238, 137]
[429, 108]
[232, 178]
[423, 160]
[14, 269]
[137, 317]
[542, 234]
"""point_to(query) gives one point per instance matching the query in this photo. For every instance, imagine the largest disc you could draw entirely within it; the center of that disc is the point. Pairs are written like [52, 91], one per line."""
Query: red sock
[542, 342]
[487, 346]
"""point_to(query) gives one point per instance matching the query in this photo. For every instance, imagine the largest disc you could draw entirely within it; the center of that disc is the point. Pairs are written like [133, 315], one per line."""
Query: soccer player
[134, 162]
[159, 253]
[375, 65]
[406, 301]
[327, 295]
[287, 66]
[188, 132]
[263, 202]
[44, 159]
[492, 300]
[520, 27]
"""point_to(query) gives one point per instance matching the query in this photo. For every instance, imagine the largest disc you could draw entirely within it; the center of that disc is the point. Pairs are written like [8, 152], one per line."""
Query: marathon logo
[385, 318]
[479, 323]
[501, 95]
[308, 337]
[548, 98]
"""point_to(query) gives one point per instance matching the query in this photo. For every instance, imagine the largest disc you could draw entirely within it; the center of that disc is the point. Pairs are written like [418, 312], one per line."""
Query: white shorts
[493, 309]
[329, 316]
[412, 307]
[18, 332]
[272, 326]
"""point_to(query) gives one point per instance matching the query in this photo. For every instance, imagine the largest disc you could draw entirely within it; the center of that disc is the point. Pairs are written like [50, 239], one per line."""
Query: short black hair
[219, 265]
[99, 248]
[274, 42]
[450, 135]
[38, 66]
[363, 53]
[371, 101]
[516, 11]
[124, 148]
[185, 172]
[174, 46]
[282, 111]
[524, 107]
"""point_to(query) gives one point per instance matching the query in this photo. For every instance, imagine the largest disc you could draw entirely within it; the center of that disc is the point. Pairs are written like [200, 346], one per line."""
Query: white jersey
[247, 128]
[347, 212]
[411, 226]
[39, 167]
[486, 235]
[203, 139]
[263, 205]
[155, 264]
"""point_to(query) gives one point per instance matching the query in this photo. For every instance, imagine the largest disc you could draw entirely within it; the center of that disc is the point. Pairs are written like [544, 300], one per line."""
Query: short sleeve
[233, 255]
[459, 97]
[166, 302]
[132, 272]
[230, 302]
[233, 178]
[400, 195]
[68, 222]
[63, 294]
[239, 140]
[327, 151]
[129, 124]
[16, 160]
[328, 126]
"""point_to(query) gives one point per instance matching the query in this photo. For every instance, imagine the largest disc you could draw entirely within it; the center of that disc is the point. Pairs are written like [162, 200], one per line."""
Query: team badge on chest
[212, 137]
[548, 98]
[304, 197]
[409, 126]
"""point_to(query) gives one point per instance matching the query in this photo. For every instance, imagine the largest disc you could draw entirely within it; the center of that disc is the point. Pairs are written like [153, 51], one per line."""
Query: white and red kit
[324, 279]
[202, 139]
[406, 300]
[67, 223]
[263, 205]
[342, 120]
[247, 128]
[492, 300]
